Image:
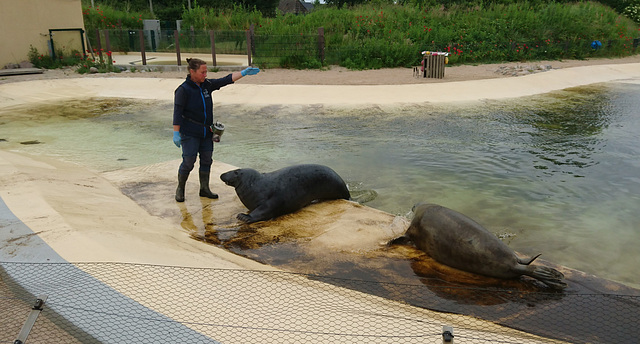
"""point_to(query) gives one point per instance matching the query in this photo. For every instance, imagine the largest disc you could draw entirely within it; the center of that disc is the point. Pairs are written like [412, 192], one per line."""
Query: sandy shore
[335, 87]
[77, 215]
[335, 75]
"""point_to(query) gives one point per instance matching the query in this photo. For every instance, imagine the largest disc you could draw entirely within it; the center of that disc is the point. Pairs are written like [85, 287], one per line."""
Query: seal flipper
[549, 276]
[245, 218]
[402, 240]
[255, 215]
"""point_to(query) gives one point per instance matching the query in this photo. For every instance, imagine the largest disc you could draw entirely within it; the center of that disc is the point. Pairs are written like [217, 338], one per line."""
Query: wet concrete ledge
[20, 71]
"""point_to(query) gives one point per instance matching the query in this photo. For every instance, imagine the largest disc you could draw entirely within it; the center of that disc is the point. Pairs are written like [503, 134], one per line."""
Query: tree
[266, 7]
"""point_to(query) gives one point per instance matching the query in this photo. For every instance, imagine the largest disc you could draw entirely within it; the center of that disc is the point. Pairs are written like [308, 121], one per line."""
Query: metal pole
[82, 39]
[31, 319]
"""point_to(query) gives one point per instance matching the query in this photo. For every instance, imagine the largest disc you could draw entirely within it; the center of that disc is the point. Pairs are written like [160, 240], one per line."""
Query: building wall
[27, 22]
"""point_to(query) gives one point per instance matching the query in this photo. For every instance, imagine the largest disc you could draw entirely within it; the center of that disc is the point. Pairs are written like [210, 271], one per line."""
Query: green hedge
[391, 35]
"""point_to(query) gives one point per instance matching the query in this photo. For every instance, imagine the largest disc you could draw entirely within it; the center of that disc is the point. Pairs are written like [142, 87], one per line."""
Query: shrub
[633, 11]
[62, 59]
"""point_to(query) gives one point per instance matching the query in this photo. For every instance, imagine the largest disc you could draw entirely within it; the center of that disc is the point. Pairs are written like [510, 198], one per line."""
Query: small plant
[101, 65]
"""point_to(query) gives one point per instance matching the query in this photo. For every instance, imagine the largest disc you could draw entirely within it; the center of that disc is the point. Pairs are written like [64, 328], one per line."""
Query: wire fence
[314, 50]
[189, 41]
[136, 303]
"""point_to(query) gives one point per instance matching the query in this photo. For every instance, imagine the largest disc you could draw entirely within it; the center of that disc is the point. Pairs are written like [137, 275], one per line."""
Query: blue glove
[250, 71]
[176, 138]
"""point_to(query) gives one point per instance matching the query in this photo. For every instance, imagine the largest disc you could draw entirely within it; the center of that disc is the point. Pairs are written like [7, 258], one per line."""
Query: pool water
[558, 174]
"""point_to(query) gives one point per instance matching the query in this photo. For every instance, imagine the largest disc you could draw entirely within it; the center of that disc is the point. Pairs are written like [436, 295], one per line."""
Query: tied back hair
[195, 63]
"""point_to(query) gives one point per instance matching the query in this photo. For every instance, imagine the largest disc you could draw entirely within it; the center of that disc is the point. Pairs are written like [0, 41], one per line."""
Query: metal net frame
[126, 303]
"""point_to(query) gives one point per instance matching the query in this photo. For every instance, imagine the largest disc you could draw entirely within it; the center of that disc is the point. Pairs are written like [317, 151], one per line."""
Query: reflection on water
[559, 171]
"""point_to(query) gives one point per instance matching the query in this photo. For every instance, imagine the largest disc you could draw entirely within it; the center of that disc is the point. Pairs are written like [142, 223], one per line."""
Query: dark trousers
[191, 147]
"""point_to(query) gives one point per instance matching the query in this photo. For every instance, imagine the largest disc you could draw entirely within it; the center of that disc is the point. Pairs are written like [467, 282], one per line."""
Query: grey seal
[269, 195]
[455, 240]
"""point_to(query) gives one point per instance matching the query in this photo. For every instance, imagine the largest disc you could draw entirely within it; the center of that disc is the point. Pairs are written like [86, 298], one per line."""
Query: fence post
[249, 47]
[144, 56]
[321, 44]
[98, 42]
[176, 35]
[253, 41]
[107, 41]
[213, 48]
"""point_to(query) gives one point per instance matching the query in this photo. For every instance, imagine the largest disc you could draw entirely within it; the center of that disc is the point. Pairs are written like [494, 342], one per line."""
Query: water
[561, 172]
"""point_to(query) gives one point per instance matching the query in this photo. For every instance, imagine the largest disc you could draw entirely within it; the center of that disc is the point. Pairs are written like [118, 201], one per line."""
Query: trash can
[433, 63]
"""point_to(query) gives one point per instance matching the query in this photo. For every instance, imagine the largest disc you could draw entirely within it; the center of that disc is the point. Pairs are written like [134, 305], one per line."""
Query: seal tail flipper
[549, 276]
[524, 262]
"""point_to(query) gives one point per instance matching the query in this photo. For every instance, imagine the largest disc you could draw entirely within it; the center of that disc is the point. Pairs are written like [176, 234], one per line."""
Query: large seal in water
[455, 240]
[269, 195]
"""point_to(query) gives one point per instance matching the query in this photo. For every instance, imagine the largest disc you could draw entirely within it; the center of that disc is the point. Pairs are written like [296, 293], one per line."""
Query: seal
[269, 195]
[454, 239]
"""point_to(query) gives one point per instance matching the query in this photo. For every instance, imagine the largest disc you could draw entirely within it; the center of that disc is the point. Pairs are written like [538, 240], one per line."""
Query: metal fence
[134, 303]
[122, 40]
[314, 50]
[297, 51]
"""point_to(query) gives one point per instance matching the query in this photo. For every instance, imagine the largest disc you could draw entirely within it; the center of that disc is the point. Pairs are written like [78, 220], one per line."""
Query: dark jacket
[193, 105]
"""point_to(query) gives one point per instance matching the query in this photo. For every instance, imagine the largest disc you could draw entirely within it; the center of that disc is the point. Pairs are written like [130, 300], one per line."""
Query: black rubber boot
[204, 186]
[182, 181]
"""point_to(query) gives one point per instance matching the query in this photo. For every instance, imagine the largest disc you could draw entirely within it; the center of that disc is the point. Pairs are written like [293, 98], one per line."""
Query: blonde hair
[195, 63]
